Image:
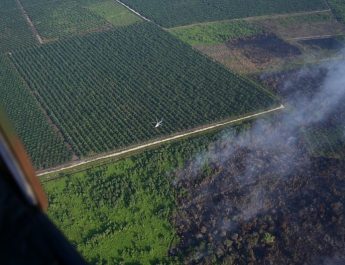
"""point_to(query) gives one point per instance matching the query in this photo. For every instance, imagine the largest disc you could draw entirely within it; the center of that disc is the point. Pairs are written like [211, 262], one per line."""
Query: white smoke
[280, 137]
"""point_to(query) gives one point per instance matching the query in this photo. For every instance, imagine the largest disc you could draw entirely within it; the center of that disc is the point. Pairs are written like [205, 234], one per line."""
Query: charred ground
[270, 215]
[264, 48]
[262, 195]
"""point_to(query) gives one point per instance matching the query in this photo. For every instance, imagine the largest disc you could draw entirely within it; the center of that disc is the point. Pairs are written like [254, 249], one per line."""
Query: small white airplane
[159, 123]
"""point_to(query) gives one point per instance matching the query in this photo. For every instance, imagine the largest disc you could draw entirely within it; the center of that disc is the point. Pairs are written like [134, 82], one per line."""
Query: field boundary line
[272, 16]
[316, 37]
[133, 11]
[156, 142]
[28, 20]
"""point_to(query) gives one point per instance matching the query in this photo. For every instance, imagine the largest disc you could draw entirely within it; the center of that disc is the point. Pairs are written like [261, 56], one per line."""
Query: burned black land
[270, 215]
[263, 48]
[257, 196]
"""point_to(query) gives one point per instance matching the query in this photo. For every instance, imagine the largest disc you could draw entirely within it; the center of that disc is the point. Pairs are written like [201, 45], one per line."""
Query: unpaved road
[158, 142]
[316, 37]
[133, 11]
[28, 20]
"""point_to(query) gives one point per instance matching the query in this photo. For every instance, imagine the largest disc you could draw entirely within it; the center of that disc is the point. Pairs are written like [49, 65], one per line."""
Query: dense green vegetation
[14, 31]
[215, 32]
[170, 13]
[121, 211]
[56, 19]
[106, 89]
[338, 8]
[113, 12]
[45, 147]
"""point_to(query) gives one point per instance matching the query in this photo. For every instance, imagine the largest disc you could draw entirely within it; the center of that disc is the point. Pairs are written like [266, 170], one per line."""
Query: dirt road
[316, 37]
[158, 142]
[28, 20]
[133, 11]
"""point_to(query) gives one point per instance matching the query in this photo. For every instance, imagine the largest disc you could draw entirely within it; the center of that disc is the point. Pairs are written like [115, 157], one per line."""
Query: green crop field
[338, 8]
[14, 31]
[55, 19]
[105, 90]
[170, 13]
[45, 147]
[215, 32]
[7, 5]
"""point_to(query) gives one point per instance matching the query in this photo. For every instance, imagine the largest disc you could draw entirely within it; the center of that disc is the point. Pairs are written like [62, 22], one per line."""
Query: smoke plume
[242, 163]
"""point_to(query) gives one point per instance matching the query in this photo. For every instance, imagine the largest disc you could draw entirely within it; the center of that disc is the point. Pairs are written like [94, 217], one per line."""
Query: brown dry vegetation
[298, 30]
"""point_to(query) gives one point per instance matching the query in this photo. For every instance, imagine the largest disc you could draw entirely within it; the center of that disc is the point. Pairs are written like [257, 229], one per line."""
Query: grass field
[121, 212]
[55, 19]
[45, 147]
[113, 12]
[215, 32]
[170, 13]
[14, 31]
[104, 91]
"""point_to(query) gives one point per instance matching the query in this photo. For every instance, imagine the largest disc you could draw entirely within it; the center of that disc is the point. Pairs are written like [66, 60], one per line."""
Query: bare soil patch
[253, 54]
[264, 48]
[304, 29]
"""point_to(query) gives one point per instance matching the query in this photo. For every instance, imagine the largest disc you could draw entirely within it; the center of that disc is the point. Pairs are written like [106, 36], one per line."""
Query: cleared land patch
[225, 41]
[113, 12]
[171, 13]
[252, 54]
[263, 48]
[303, 25]
[106, 89]
[215, 33]
[43, 144]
